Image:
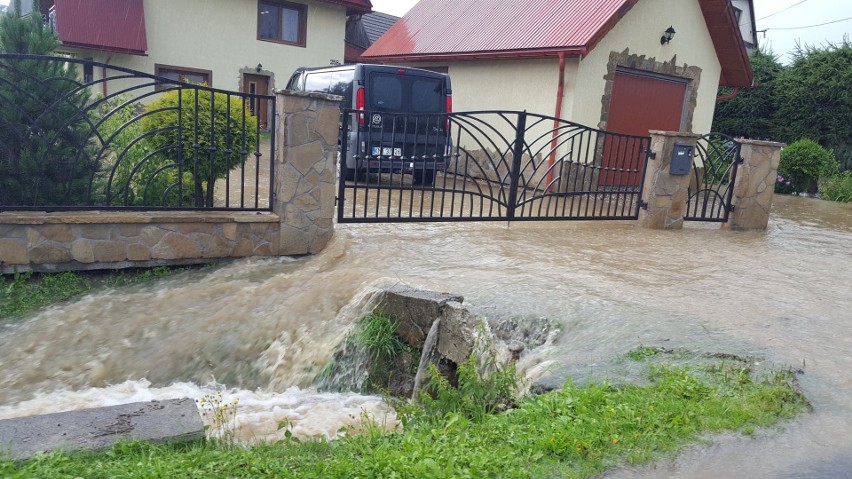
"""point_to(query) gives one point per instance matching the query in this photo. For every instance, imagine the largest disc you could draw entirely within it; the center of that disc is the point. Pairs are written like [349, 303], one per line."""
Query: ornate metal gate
[485, 166]
[715, 166]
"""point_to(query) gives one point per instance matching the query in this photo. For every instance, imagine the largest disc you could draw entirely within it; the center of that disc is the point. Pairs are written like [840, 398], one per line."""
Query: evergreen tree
[814, 97]
[752, 113]
[44, 129]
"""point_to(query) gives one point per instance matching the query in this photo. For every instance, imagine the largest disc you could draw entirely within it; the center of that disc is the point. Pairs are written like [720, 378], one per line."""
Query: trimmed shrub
[837, 188]
[200, 133]
[803, 163]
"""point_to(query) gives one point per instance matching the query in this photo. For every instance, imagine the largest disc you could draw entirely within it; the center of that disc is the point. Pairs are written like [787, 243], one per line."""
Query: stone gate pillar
[755, 185]
[665, 195]
[305, 168]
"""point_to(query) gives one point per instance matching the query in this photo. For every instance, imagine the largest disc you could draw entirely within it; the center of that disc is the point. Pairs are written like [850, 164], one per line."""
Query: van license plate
[376, 151]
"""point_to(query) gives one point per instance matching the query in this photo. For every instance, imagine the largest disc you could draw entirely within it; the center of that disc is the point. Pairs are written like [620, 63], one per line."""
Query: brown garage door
[640, 103]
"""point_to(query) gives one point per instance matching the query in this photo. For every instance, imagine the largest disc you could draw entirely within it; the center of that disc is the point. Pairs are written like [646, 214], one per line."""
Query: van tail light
[360, 104]
[449, 109]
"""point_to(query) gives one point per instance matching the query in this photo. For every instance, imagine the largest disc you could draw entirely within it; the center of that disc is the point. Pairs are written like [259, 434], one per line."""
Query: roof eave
[728, 42]
[104, 48]
[481, 55]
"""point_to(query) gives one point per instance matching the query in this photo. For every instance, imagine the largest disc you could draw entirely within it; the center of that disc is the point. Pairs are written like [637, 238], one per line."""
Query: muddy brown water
[263, 328]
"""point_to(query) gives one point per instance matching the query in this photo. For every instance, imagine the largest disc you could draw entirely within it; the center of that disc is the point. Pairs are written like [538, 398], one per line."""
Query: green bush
[837, 188]
[803, 163]
[202, 134]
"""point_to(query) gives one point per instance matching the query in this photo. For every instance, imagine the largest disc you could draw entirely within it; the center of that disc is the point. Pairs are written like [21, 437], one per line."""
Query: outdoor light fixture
[258, 68]
[667, 36]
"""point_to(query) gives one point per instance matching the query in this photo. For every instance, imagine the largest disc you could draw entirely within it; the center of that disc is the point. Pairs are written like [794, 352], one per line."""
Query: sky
[772, 15]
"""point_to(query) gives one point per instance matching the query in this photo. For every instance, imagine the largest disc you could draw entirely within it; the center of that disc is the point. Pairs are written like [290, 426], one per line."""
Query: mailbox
[681, 159]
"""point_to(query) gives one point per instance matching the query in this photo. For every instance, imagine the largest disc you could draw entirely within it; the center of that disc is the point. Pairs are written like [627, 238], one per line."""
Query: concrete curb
[99, 428]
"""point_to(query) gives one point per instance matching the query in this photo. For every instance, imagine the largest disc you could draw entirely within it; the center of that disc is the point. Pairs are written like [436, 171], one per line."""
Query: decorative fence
[83, 135]
[485, 166]
[714, 174]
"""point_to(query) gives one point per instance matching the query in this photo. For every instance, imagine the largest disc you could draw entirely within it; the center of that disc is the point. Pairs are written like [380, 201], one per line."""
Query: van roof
[372, 66]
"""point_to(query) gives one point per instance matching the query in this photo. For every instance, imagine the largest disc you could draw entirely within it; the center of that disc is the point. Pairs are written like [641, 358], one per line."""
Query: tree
[752, 113]
[44, 131]
[814, 97]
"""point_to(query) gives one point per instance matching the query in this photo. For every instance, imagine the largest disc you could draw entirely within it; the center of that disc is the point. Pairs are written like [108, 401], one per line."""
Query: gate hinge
[741, 160]
[643, 204]
[652, 155]
[336, 199]
[731, 208]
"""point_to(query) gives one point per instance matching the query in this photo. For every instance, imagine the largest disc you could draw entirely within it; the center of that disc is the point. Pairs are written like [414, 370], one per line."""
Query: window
[738, 14]
[183, 74]
[281, 22]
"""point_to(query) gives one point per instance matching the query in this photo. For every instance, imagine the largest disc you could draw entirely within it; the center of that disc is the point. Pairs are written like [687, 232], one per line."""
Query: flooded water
[264, 328]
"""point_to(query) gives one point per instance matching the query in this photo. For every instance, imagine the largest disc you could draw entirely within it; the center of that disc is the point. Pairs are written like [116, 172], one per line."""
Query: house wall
[639, 32]
[221, 36]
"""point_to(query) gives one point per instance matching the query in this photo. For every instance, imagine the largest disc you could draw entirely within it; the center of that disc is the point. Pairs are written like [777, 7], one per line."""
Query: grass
[576, 432]
[25, 293]
[377, 333]
[837, 188]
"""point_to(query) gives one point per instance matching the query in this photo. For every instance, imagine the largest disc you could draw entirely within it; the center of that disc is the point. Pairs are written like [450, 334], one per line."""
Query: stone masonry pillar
[666, 195]
[305, 170]
[755, 185]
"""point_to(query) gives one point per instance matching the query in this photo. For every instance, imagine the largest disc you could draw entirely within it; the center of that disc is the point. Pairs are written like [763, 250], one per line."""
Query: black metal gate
[715, 166]
[485, 166]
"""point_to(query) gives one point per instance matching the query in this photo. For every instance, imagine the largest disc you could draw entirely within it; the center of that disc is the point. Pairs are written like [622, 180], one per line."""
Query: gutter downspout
[560, 90]
[104, 74]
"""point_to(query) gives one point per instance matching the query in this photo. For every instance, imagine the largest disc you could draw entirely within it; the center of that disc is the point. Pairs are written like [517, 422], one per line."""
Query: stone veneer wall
[301, 221]
[97, 240]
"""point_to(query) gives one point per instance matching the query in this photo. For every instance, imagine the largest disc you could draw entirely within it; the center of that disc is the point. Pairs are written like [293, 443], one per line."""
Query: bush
[837, 188]
[803, 163]
[202, 134]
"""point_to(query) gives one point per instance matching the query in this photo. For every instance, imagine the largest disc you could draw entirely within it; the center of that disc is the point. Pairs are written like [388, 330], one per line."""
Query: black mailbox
[681, 159]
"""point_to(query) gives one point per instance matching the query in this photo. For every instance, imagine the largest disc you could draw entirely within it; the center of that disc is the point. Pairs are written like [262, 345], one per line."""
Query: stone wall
[98, 240]
[666, 195]
[301, 221]
[755, 185]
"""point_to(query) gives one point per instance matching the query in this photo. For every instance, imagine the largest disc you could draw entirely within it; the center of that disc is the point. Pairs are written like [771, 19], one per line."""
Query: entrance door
[640, 103]
[258, 84]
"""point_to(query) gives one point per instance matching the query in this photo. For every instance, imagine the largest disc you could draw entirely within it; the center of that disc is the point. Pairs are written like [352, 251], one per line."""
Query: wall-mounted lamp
[667, 36]
[258, 68]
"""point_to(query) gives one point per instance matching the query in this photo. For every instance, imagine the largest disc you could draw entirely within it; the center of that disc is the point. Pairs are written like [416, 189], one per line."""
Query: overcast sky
[772, 15]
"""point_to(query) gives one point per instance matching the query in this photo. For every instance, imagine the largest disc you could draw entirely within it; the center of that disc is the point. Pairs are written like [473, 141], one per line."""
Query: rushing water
[266, 327]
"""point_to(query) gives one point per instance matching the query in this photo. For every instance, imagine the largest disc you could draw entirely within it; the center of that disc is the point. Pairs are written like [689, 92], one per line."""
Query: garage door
[640, 103]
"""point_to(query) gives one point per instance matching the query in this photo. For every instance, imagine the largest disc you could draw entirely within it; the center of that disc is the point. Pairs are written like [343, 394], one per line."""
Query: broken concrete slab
[98, 428]
[458, 332]
[415, 309]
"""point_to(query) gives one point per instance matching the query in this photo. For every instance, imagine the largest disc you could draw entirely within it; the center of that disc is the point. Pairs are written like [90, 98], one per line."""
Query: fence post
[307, 129]
[665, 196]
[755, 185]
[517, 155]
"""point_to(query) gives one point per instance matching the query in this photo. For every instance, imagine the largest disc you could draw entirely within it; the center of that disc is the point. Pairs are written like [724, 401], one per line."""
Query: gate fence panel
[485, 166]
[78, 135]
[714, 173]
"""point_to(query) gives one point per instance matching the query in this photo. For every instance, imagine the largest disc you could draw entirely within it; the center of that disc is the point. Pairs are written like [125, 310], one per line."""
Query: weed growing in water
[221, 416]
[378, 335]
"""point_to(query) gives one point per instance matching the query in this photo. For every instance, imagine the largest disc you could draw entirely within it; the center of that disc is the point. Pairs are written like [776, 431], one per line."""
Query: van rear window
[386, 93]
[426, 96]
[405, 93]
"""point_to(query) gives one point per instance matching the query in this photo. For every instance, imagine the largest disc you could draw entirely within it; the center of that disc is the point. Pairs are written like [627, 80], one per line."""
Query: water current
[262, 329]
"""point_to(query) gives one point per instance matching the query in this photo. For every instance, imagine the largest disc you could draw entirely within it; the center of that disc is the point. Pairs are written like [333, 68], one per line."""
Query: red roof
[451, 30]
[111, 25]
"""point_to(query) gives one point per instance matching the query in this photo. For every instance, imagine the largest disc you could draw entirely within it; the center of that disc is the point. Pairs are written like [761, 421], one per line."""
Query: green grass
[837, 188]
[576, 432]
[377, 333]
[25, 293]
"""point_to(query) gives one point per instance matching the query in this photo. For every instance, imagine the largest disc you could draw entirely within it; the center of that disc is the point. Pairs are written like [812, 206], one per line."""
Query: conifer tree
[44, 129]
